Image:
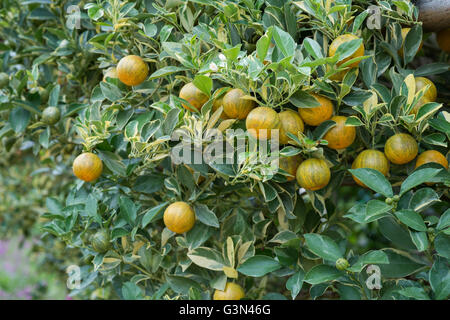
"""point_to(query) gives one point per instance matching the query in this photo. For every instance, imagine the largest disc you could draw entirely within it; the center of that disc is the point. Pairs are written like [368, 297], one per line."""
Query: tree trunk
[434, 14]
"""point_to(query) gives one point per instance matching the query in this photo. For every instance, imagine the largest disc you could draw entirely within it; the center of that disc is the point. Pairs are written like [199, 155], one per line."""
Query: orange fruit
[234, 106]
[372, 159]
[291, 122]
[261, 121]
[430, 95]
[341, 135]
[290, 165]
[132, 70]
[179, 217]
[216, 105]
[443, 39]
[194, 96]
[232, 291]
[87, 167]
[401, 148]
[316, 115]
[313, 174]
[405, 31]
[343, 39]
[110, 73]
[431, 156]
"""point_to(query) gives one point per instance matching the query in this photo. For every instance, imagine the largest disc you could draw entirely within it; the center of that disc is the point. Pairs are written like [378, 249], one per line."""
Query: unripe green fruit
[342, 264]
[44, 94]
[396, 198]
[388, 201]
[100, 241]
[51, 115]
[4, 80]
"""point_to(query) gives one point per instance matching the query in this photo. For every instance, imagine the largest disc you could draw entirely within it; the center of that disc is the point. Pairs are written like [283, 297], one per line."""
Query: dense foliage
[140, 225]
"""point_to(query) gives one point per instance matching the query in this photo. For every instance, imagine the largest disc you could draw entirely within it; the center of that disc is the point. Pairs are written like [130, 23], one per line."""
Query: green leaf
[420, 240]
[128, 210]
[206, 216]
[373, 179]
[322, 273]
[163, 72]
[371, 257]
[412, 219]
[295, 283]
[19, 119]
[181, 284]
[258, 266]
[131, 291]
[444, 221]
[439, 278]
[110, 91]
[442, 245]
[313, 48]
[207, 258]
[151, 214]
[419, 176]
[423, 198]
[415, 293]
[302, 99]
[395, 233]
[400, 265]
[203, 83]
[323, 246]
[376, 209]
[284, 42]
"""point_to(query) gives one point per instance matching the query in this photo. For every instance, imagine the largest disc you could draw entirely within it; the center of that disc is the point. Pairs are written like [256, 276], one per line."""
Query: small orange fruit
[341, 135]
[431, 156]
[290, 165]
[132, 70]
[261, 121]
[87, 167]
[339, 41]
[372, 159]
[218, 102]
[194, 96]
[430, 95]
[401, 148]
[316, 115]
[291, 122]
[236, 107]
[313, 174]
[179, 217]
[443, 39]
[232, 291]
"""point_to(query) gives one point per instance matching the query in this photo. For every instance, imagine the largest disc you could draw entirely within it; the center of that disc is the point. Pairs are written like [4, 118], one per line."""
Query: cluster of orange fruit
[311, 174]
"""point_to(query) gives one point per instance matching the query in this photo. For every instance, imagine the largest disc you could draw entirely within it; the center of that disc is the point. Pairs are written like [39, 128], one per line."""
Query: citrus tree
[237, 149]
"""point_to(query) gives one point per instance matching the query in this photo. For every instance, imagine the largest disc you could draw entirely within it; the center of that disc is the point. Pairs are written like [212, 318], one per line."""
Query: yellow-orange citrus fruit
[179, 217]
[401, 148]
[316, 115]
[261, 121]
[132, 70]
[341, 135]
[87, 167]
[429, 95]
[232, 291]
[431, 156]
[443, 39]
[291, 122]
[313, 174]
[405, 31]
[372, 159]
[290, 165]
[339, 41]
[216, 105]
[234, 106]
[110, 73]
[194, 96]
